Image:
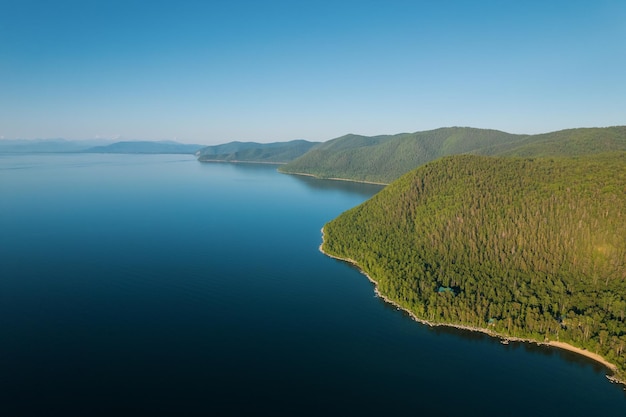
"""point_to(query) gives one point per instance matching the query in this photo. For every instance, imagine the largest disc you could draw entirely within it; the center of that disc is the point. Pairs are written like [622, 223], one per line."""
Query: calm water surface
[157, 285]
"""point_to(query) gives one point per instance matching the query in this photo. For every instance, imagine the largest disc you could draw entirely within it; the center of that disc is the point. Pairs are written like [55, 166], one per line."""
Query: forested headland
[532, 248]
[276, 152]
[385, 158]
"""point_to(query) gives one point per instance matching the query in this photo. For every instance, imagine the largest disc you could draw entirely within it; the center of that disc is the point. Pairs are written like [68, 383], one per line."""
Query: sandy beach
[591, 355]
[236, 161]
[335, 179]
[560, 345]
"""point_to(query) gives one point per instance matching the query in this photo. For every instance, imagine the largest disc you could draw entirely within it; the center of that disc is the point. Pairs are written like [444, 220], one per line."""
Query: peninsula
[253, 152]
[525, 249]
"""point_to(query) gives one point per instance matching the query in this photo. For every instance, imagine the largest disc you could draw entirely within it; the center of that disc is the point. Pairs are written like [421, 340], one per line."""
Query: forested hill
[531, 248]
[277, 152]
[385, 158]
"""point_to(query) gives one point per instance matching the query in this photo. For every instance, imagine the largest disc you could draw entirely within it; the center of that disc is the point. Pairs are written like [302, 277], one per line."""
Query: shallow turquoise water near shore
[157, 285]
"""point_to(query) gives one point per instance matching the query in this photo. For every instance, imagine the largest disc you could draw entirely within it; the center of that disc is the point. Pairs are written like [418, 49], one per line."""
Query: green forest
[277, 152]
[526, 247]
[385, 158]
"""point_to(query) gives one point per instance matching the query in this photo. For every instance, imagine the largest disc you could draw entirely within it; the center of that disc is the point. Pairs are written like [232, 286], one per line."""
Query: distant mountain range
[146, 147]
[95, 146]
[381, 159]
[387, 157]
[277, 152]
[49, 145]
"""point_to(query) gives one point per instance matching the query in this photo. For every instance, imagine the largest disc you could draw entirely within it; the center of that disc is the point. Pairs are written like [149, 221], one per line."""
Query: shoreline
[504, 338]
[237, 161]
[335, 179]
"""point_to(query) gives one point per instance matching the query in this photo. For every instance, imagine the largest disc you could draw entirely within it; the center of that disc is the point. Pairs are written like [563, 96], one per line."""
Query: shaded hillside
[146, 147]
[386, 158]
[278, 152]
[527, 248]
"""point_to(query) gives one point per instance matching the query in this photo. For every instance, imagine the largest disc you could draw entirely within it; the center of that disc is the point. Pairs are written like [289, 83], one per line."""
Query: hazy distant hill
[146, 147]
[277, 152]
[49, 145]
[531, 248]
[385, 158]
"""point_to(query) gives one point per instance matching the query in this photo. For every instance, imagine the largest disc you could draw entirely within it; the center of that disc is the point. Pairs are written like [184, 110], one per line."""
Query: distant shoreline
[560, 345]
[236, 161]
[335, 179]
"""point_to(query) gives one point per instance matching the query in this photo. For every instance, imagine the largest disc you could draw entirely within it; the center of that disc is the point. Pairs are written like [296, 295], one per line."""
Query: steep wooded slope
[532, 248]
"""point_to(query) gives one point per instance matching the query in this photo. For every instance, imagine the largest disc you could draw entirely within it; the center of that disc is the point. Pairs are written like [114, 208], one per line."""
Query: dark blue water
[156, 285]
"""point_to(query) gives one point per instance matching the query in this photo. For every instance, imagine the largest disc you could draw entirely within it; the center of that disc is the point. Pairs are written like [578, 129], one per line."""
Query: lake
[158, 285]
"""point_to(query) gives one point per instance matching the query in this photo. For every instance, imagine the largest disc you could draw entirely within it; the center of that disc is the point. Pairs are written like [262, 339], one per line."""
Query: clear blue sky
[216, 71]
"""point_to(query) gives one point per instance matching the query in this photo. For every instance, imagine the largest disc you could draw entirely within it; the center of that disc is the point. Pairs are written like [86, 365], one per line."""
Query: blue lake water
[157, 285]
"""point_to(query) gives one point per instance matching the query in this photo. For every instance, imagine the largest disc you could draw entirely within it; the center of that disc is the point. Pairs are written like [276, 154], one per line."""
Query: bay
[157, 285]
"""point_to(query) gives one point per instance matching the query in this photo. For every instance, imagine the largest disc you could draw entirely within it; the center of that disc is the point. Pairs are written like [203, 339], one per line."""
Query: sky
[215, 71]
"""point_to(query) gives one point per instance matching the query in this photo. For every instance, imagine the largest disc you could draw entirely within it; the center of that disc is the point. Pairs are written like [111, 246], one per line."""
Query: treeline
[385, 158]
[531, 248]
